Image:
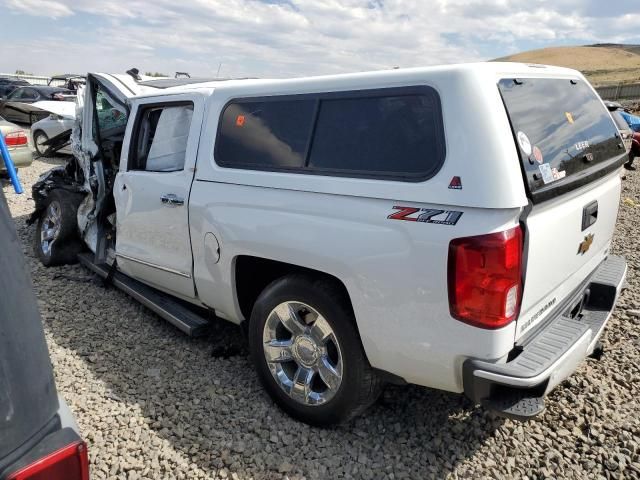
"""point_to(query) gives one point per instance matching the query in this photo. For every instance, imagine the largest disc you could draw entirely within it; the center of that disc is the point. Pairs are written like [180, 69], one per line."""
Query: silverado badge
[585, 244]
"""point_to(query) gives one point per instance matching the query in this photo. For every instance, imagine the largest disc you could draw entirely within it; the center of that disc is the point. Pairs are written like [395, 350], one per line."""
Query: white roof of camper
[387, 77]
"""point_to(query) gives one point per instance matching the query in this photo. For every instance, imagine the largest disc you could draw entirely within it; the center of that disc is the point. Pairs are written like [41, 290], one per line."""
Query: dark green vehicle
[39, 438]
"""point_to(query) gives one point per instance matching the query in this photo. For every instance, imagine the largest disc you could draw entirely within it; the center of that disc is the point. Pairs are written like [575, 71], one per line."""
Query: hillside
[602, 64]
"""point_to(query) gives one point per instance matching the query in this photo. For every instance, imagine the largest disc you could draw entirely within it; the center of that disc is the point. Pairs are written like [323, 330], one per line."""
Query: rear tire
[312, 363]
[39, 137]
[56, 239]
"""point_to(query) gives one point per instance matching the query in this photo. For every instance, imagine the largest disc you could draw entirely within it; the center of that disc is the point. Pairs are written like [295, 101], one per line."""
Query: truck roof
[331, 81]
[150, 86]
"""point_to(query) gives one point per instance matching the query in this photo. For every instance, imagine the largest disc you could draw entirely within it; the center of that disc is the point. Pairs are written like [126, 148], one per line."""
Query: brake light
[485, 278]
[68, 463]
[16, 139]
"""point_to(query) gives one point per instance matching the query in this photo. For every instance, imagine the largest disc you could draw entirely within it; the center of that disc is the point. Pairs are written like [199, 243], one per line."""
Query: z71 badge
[426, 215]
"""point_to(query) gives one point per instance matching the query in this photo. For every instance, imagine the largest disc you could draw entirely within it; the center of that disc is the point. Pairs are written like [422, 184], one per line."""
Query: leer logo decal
[585, 244]
[426, 215]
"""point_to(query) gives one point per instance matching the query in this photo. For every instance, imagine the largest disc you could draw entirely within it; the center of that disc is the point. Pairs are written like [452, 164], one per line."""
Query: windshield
[562, 129]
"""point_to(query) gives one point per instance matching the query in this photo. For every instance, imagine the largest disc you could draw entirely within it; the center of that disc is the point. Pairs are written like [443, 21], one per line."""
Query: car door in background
[11, 106]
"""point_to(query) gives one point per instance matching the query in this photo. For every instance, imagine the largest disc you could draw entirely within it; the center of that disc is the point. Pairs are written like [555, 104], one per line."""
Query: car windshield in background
[620, 121]
[561, 128]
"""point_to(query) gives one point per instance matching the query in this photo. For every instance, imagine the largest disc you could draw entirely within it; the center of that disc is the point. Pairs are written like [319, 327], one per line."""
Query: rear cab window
[565, 135]
[393, 133]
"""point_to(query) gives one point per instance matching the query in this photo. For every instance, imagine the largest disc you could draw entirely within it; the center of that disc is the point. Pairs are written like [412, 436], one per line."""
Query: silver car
[17, 143]
[50, 127]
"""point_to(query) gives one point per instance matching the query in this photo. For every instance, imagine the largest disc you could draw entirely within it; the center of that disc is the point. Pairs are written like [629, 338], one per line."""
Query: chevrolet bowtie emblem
[585, 244]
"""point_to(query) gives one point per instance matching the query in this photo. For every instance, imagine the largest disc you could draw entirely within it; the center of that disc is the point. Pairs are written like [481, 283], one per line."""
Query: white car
[61, 120]
[447, 226]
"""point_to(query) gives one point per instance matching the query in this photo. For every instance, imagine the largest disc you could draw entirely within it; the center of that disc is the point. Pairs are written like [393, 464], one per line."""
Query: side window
[267, 134]
[23, 94]
[16, 94]
[391, 135]
[394, 133]
[29, 94]
[160, 138]
[112, 117]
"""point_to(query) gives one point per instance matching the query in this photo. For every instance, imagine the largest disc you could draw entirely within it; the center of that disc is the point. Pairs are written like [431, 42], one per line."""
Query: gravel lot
[153, 403]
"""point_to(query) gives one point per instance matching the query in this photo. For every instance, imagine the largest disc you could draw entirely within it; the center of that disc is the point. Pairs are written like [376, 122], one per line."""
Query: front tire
[56, 239]
[307, 351]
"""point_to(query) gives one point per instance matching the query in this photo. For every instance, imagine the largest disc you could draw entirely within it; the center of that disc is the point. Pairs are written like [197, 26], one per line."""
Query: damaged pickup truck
[350, 229]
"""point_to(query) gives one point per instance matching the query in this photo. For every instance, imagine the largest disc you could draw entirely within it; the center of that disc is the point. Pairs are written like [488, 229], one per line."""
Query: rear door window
[565, 135]
[160, 138]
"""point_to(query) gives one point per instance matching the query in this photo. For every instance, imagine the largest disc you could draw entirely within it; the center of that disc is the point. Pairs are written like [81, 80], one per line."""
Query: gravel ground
[153, 403]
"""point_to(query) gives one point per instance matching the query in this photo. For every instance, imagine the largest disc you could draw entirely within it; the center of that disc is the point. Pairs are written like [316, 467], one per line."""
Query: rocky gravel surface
[155, 404]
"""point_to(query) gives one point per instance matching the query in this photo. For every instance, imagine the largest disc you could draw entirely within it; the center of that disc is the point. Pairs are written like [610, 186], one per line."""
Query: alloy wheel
[50, 227]
[303, 353]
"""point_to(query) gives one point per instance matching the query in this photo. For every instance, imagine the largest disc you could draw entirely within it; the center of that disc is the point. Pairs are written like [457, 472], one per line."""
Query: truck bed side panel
[395, 271]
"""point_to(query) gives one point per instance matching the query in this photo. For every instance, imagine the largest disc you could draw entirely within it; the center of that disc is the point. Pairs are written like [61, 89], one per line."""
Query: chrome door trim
[153, 265]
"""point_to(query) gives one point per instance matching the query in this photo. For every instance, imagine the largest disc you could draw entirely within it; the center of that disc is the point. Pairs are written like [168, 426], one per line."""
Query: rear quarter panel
[395, 271]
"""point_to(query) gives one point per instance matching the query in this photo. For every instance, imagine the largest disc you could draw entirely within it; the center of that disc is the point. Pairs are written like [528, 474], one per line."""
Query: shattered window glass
[112, 117]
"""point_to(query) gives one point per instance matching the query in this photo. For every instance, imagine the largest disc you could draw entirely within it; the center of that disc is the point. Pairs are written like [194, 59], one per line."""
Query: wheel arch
[252, 274]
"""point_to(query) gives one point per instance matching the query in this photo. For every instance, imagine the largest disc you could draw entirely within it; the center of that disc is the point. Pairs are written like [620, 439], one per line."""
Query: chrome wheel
[303, 353]
[50, 227]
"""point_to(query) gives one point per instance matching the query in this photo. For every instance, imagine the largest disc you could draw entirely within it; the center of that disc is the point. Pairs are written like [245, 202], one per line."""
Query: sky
[285, 38]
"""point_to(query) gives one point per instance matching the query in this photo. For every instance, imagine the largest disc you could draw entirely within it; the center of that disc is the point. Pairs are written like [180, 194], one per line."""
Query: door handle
[171, 200]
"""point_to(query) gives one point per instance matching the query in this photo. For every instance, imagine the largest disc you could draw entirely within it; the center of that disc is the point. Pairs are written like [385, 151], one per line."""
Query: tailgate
[570, 155]
[560, 253]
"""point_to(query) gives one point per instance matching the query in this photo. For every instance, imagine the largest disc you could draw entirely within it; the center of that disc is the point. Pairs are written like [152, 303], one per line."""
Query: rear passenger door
[152, 189]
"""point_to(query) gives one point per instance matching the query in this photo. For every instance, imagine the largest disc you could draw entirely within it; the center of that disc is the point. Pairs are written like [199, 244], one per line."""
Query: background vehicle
[61, 120]
[17, 107]
[17, 143]
[344, 223]
[630, 137]
[8, 85]
[39, 438]
[71, 81]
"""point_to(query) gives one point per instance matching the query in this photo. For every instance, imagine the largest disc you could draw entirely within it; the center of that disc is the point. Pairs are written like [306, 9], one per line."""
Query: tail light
[16, 139]
[485, 278]
[57, 96]
[68, 463]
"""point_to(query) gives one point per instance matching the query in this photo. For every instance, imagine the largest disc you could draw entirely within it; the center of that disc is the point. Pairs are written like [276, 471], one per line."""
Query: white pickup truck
[447, 227]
